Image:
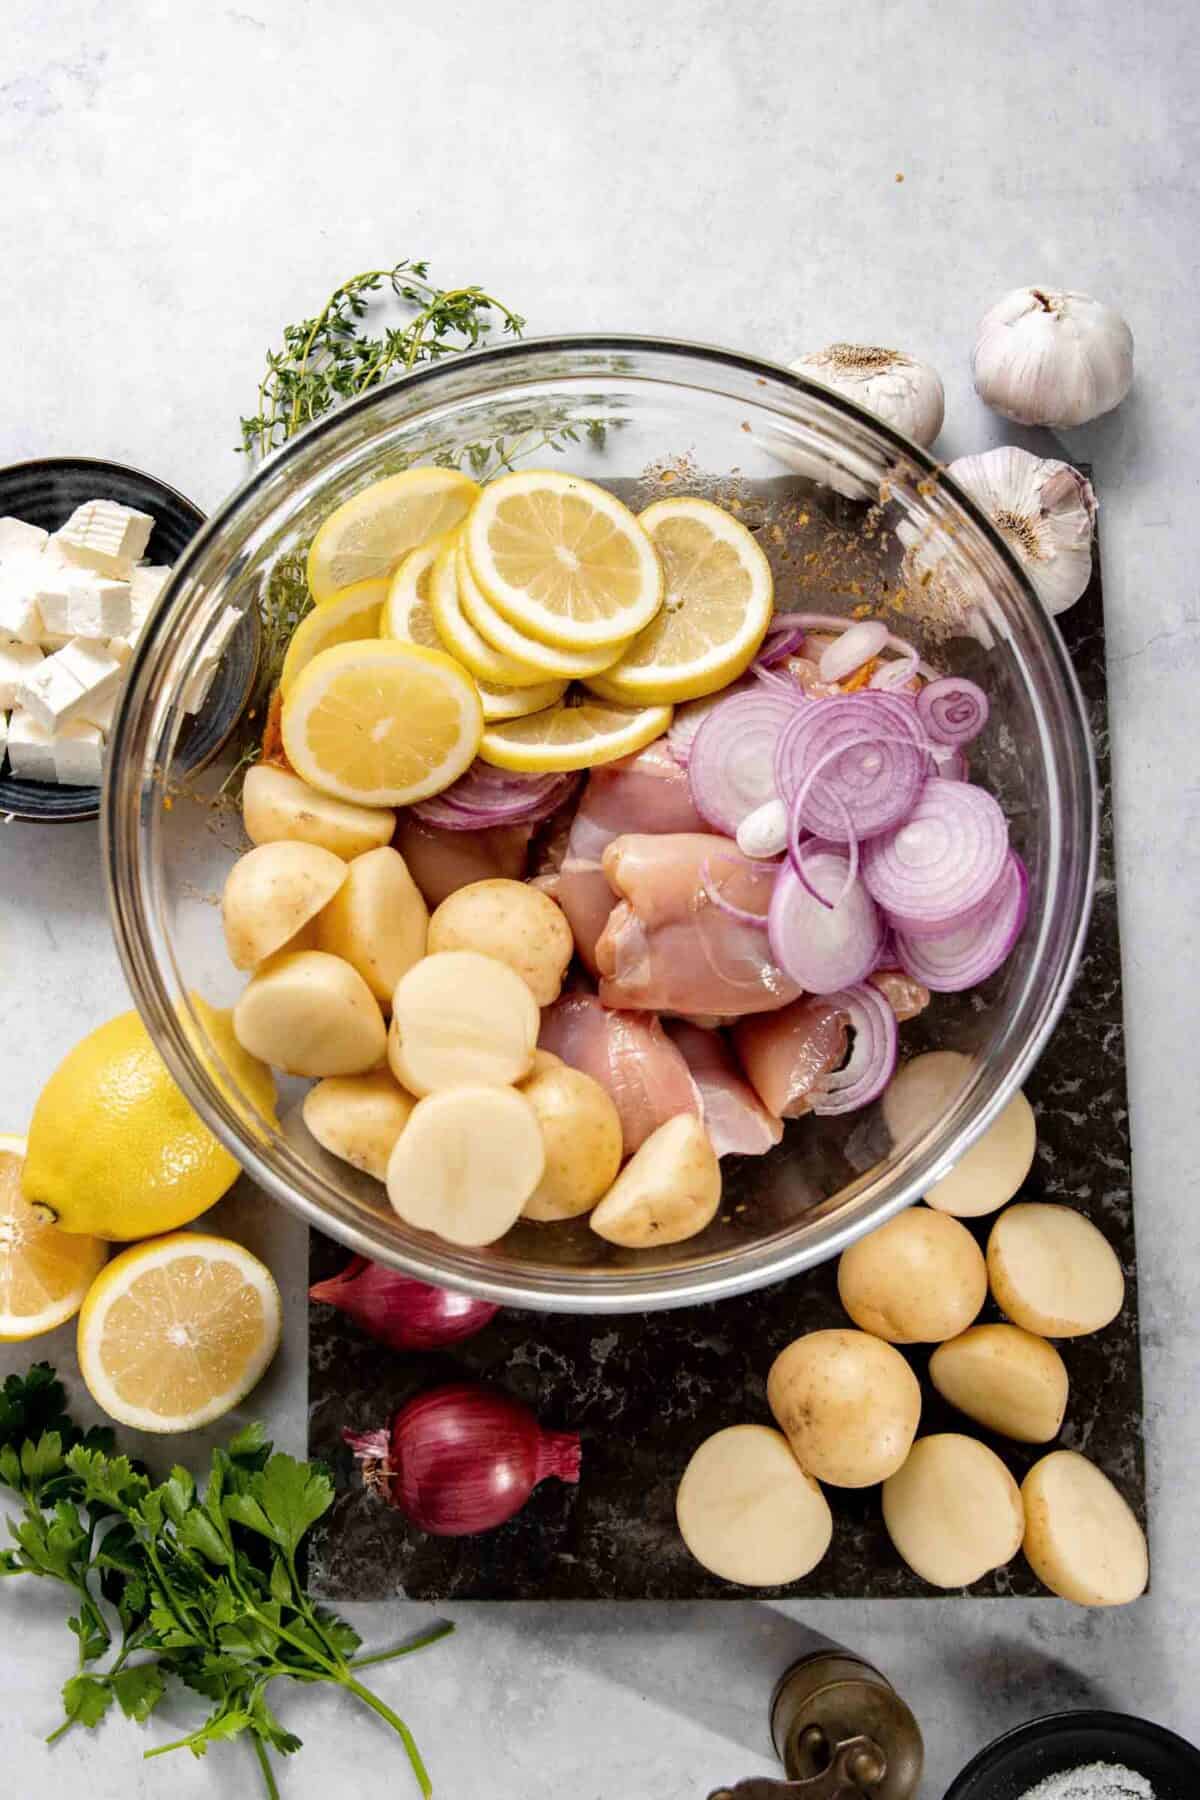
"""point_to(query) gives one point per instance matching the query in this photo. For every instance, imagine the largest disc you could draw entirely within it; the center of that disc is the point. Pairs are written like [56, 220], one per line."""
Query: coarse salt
[1093, 1781]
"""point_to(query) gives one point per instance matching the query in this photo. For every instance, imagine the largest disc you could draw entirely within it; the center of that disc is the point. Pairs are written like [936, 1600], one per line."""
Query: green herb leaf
[139, 1689]
[292, 1496]
[86, 1699]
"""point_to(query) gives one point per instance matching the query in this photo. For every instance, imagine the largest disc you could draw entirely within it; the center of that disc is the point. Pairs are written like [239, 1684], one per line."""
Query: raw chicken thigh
[441, 862]
[629, 1054]
[669, 946]
[788, 1054]
[737, 1122]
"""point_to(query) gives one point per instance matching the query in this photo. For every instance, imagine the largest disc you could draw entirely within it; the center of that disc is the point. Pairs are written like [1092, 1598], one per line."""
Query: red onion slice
[778, 644]
[853, 764]
[732, 758]
[868, 1068]
[942, 862]
[856, 646]
[952, 711]
[487, 796]
[951, 765]
[821, 946]
[964, 957]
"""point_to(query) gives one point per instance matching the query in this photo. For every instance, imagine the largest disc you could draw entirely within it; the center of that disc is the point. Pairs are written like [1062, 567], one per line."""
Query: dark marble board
[645, 1390]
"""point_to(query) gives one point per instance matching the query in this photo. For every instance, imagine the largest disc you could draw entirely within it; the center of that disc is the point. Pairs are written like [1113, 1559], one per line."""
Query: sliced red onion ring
[964, 957]
[821, 946]
[487, 796]
[872, 1058]
[951, 765]
[943, 861]
[856, 646]
[778, 644]
[872, 785]
[952, 711]
[899, 671]
[731, 762]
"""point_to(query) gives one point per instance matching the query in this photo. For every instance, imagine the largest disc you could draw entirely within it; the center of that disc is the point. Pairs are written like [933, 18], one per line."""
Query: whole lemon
[115, 1150]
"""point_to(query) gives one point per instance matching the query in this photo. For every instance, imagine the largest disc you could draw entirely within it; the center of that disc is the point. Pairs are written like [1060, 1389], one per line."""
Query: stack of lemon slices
[534, 622]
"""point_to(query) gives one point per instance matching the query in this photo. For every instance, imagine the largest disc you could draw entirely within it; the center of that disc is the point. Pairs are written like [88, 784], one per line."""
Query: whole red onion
[401, 1312]
[462, 1459]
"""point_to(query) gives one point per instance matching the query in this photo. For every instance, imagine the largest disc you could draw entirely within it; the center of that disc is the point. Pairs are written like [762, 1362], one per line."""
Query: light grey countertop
[178, 181]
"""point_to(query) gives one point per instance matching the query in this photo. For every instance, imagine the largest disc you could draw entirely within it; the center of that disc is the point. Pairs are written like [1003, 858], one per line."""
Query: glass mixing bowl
[824, 485]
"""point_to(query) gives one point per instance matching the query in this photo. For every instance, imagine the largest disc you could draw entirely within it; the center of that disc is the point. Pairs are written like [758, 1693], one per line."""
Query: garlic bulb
[1047, 358]
[898, 389]
[1045, 510]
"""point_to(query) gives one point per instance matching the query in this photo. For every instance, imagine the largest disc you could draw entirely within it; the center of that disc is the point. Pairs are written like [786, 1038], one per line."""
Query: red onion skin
[400, 1312]
[462, 1459]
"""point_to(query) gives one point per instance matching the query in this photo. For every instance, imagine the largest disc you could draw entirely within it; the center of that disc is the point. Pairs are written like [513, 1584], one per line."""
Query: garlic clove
[1049, 357]
[903, 392]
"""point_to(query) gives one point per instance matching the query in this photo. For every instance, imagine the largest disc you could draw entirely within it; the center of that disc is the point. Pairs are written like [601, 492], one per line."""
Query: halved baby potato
[271, 893]
[581, 1134]
[277, 804]
[1082, 1537]
[458, 1019]
[359, 1118]
[668, 1191]
[953, 1511]
[987, 1175]
[466, 1163]
[1053, 1272]
[1005, 1378]
[377, 921]
[308, 1013]
[748, 1512]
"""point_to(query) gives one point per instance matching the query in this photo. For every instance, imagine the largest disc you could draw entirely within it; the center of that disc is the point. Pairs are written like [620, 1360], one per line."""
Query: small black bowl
[1007, 1769]
[45, 493]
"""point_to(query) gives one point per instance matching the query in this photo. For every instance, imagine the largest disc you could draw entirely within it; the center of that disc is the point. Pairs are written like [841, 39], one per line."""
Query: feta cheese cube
[100, 713]
[105, 536]
[97, 606]
[30, 749]
[19, 540]
[196, 689]
[50, 694]
[92, 666]
[50, 587]
[121, 648]
[17, 662]
[146, 584]
[19, 615]
[79, 755]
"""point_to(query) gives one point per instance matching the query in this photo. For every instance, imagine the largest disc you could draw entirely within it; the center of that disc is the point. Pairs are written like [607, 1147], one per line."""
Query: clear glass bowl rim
[127, 786]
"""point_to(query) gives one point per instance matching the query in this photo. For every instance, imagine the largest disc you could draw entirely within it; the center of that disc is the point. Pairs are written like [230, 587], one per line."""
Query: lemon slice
[177, 1331]
[495, 630]
[578, 733]
[381, 723]
[408, 616]
[719, 595]
[44, 1272]
[345, 619]
[366, 537]
[563, 560]
[461, 638]
[517, 703]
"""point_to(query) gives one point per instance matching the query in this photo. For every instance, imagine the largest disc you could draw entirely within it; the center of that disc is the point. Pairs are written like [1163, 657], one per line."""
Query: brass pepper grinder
[841, 1731]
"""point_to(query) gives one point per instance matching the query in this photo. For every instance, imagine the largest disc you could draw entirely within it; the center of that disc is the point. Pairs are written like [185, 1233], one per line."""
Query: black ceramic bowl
[45, 493]
[1021, 1759]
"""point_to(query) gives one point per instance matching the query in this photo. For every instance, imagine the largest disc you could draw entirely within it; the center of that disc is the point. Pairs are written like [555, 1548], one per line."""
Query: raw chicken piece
[647, 792]
[629, 1054]
[787, 1054]
[549, 848]
[669, 947]
[905, 996]
[737, 1122]
[441, 862]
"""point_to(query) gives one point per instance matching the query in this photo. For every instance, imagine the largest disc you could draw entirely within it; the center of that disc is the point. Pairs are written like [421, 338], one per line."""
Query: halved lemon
[719, 595]
[381, 723]
[461, 638]
[345, 619]
[578, 733]
[175, 1332]
[44, 1272]
[563, 560]
[365, 538]
[408, 615]
[498, 634]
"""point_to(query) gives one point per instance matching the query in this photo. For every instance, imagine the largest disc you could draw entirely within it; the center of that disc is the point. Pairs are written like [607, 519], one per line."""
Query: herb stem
[397, 1724]
[264, 1763]
[434, 1635]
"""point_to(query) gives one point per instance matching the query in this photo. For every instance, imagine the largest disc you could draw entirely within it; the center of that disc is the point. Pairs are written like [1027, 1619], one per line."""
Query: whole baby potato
[1081, 1537]
[848, 1403]
[515, 923]
[919, 1279]
[271, 894]
[581, 1134]
[1053, 1272]
[953, 1511]
[1006, 1378]
[277, 804]
[377, 921]
[311, 1014]
[359, 1118]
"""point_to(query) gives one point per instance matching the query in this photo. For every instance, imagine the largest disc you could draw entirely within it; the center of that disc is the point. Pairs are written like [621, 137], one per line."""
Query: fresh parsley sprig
[205, 1586]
